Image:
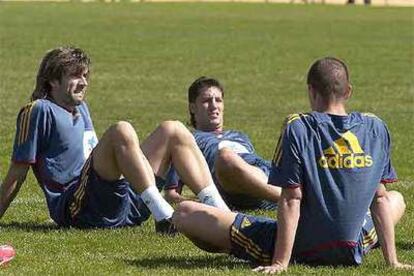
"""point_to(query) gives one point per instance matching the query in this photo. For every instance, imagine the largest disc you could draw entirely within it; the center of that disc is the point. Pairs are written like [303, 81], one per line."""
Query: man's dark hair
[199, 86]
[329, 76]
[56, 63]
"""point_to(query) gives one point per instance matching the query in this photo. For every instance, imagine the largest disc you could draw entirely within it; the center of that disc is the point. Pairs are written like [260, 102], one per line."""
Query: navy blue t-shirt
[56, 143]
[339, 161]
[210, 143]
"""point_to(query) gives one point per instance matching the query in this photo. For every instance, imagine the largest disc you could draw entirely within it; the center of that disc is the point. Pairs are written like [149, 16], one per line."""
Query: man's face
[70, 91]
[208, 110]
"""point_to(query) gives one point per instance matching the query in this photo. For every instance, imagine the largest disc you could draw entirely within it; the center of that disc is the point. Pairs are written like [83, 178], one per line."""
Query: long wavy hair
[56, 63]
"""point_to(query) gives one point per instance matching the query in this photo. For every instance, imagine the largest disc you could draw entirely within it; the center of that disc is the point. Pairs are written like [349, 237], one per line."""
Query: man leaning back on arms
[332, 167]
[83, 179]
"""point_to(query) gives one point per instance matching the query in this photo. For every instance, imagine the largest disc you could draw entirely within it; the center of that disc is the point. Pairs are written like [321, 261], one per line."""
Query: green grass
[146, 55]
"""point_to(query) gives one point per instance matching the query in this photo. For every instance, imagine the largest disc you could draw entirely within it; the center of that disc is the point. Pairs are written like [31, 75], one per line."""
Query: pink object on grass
[7, 253]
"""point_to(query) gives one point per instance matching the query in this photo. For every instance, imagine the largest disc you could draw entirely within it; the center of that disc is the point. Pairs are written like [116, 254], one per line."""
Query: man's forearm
[288, 217]
[384, 226]
[11, 185]
[8, 191]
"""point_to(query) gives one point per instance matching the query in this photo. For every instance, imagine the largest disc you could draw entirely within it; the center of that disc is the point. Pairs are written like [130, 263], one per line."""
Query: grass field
[145, 56]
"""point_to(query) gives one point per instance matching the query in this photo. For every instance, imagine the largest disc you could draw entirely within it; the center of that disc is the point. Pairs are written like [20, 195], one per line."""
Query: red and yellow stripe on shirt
[24, 123]
[278, 151]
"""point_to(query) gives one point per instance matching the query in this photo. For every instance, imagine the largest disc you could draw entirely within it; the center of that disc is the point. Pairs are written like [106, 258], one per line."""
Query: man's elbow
[381, 196]
[292, 194]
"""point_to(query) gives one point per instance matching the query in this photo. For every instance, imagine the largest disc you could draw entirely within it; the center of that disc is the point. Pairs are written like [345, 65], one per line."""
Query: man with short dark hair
[332, 167]
[83, 180]
[239, 173]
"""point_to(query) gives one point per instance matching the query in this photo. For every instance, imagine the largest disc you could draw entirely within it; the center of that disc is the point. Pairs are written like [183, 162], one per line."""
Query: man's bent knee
[225, 160]
[398, 198]
[123, 133]
[182, 211]
[177, 131]
[398, 205]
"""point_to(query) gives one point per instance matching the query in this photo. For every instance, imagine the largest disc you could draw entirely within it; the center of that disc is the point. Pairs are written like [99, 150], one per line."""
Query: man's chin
[78, 101]
[215, 126]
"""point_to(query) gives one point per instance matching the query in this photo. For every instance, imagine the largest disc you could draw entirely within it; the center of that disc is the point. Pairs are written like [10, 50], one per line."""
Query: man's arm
[384, 225]
[11, 185]
[288, 217]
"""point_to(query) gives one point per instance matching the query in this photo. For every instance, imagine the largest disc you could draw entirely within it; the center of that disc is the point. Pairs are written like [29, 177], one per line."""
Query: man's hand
[271, 269]
[402, 266]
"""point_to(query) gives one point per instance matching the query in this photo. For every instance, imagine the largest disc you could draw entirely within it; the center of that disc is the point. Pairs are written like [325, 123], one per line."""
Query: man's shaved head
[329, 77]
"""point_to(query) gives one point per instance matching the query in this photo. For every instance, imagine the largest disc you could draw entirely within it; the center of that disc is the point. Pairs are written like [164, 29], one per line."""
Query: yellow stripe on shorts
[250, 247]
[370, 238]
[79, 194]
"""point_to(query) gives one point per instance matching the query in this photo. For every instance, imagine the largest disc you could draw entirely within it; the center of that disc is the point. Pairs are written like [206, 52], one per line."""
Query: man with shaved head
[332, 167]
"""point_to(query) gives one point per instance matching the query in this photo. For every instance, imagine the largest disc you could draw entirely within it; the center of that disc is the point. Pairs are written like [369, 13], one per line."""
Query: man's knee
[176, 130]
[181, 213]
[225, 162]
[398, 199]
[398, 206]
[123, 133]
[227, 167]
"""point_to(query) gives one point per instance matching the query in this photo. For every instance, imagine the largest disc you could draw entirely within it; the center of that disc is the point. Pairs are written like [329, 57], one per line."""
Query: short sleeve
[29, 130]
[286, 170]
[388, 174]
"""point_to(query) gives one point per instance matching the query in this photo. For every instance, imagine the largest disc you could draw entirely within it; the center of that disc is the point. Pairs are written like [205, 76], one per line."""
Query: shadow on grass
[186, 262]
[405, 245]
[31, 226]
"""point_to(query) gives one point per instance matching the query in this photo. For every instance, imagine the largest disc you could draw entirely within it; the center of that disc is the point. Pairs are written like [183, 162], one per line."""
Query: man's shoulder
[297, 121]
[369, 117]
[370, 120]
[34, 107]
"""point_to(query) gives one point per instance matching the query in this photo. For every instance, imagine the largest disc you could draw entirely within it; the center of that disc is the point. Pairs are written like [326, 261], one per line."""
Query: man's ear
[348, 92]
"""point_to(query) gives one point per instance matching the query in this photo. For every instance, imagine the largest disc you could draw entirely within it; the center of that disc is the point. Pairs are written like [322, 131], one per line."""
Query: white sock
[210, 196]
[159, 208]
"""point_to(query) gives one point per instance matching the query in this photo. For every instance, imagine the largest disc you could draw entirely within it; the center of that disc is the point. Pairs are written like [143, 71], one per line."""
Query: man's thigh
[208, 227]
[100, 203]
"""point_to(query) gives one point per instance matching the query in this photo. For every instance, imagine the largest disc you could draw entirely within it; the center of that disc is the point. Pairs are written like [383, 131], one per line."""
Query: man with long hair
[87, 183]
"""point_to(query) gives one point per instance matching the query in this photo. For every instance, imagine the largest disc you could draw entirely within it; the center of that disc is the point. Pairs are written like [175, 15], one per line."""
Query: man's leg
[397, 205]
[118, 154]
[207, 227]
[172, 143]
[237, 176]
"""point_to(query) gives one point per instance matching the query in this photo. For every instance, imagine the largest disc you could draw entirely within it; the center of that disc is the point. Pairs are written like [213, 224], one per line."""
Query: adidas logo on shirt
[345, 153]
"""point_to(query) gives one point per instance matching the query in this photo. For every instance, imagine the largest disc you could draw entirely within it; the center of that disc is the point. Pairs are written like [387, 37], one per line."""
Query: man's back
[339, 162]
